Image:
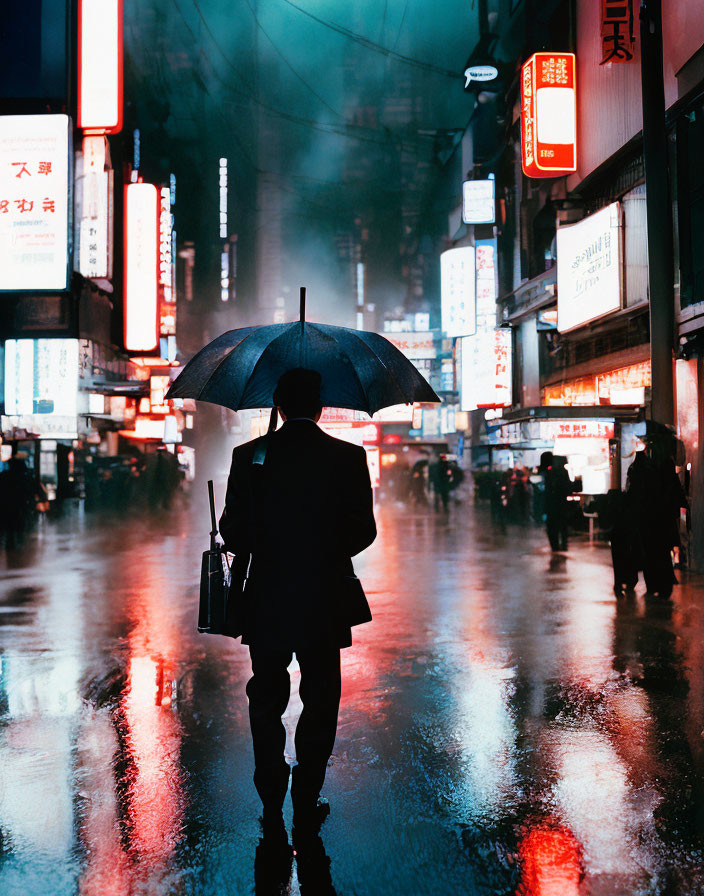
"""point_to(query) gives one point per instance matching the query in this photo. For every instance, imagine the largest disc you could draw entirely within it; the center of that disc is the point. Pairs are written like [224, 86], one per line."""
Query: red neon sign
[100, 66]
[549, 115]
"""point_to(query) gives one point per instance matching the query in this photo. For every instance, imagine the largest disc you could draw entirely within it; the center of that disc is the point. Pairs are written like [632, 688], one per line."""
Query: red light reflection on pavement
[152, 734]
[551, 862]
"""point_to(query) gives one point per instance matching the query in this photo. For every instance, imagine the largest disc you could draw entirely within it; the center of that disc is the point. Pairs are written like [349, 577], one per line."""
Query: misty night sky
[296, 96]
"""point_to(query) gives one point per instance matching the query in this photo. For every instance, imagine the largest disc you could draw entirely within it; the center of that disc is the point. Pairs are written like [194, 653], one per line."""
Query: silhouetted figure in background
[439, 479]
[617, 519]
[300, 503]
[656, 495]
[558, 487]
[417, 482]
[17, 500]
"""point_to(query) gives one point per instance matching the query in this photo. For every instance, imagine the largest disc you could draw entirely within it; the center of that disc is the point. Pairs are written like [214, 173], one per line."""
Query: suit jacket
[302, 516]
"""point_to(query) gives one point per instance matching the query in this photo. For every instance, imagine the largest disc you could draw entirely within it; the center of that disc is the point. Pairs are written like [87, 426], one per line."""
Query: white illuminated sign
[478, 202]
[94, 210]
[589, 273]
[479, 73]
[41, 377]
[486, 370]
[34, 172]
[141, 253]
[458, 295]
[225, 272]
[223, 198]
[100, 65]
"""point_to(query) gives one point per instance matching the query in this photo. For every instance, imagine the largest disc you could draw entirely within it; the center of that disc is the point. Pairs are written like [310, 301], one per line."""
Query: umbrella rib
[218, 365]
[387, 369]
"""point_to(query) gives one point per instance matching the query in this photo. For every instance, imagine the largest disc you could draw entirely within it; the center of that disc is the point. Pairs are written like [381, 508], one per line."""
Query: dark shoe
[309, 816]
[273, 859]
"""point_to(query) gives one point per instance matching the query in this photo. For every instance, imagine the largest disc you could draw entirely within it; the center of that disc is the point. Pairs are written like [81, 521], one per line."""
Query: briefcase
[218, 609]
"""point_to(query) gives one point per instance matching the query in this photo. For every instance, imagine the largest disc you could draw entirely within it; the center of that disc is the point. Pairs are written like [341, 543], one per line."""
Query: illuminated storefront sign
[548, 115]
[34, 179]
[94, 205]
[623, 386]
[141, 255]
[589, 273]
[486, 370]
[457, 289]
[478, 201]
[618, 36]
[397, 413]
[100, 66]
[485, 259]
[41, 386]
[415, 346]
[167, 303]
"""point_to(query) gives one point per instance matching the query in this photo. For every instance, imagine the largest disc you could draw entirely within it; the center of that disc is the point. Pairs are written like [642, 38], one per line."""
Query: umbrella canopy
[359, 370]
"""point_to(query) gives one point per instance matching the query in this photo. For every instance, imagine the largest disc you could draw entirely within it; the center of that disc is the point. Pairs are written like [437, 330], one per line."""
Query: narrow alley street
[507, 726]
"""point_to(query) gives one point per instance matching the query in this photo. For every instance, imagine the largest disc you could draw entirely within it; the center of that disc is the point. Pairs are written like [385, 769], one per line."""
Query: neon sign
[100, 66]
[549, 115]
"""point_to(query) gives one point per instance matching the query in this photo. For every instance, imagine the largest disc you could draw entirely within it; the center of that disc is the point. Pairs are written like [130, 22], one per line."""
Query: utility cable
[287, 63]
[372, 45]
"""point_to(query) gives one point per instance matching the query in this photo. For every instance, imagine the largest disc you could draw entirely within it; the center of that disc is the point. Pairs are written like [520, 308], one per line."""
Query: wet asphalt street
[507, 726]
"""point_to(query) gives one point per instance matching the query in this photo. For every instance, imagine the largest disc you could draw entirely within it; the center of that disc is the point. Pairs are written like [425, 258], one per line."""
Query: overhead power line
[372, 45]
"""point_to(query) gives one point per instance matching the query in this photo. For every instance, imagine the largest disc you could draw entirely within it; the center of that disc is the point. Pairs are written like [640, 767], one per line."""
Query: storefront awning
[621, 413]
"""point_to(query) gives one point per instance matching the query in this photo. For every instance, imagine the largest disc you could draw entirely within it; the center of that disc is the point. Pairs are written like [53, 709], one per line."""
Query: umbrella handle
[273, 419]
[302, 316]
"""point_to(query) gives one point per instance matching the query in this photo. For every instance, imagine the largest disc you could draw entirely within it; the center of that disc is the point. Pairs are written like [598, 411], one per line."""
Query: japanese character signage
[486, 284]
[167, 304]
[457, 291]
[93, 199]
[100, 66]
[141, 267]
[415, 346]
[34, 182]
[486, 370]
[589, 273]
[618, 39]
[549, 115]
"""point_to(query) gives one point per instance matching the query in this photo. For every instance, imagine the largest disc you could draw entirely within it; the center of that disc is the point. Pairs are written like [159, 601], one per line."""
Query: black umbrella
[359, 370]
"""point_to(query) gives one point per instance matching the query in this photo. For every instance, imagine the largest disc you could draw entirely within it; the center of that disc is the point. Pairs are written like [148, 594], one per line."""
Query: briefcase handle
[213, 521]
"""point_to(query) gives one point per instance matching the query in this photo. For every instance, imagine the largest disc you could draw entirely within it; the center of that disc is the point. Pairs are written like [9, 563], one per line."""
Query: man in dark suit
[300, 503]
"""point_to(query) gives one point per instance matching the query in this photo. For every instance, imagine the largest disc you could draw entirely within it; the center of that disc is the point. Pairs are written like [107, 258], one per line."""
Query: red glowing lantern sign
[549, 115]
[100, 60]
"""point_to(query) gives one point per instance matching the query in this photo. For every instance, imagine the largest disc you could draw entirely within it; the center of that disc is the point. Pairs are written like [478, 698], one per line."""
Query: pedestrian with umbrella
[299, 504]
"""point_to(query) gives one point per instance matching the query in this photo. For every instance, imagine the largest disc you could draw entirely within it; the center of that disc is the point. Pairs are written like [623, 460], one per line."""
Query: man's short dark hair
[298, 393]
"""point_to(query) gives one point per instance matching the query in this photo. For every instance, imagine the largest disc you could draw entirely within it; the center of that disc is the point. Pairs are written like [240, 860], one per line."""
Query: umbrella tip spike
[303, 303]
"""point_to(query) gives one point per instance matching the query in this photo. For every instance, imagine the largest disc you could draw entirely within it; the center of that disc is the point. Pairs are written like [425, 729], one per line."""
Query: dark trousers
[268, 690]
[556, 525]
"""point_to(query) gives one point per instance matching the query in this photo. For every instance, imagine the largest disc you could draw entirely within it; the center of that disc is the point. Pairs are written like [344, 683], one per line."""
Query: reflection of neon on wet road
[551, 865]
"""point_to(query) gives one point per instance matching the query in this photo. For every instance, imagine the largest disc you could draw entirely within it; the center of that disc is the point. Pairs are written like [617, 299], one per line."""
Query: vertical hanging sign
[618, 37]
[100, 66]
[549, 115]
[141, 267]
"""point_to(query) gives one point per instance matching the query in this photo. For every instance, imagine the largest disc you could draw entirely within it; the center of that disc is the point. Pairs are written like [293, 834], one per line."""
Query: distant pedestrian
[417, 483]
[558, 487]
[656, 495]
[439, 479]
[17, 500]
[618, 521]
[300, 503]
